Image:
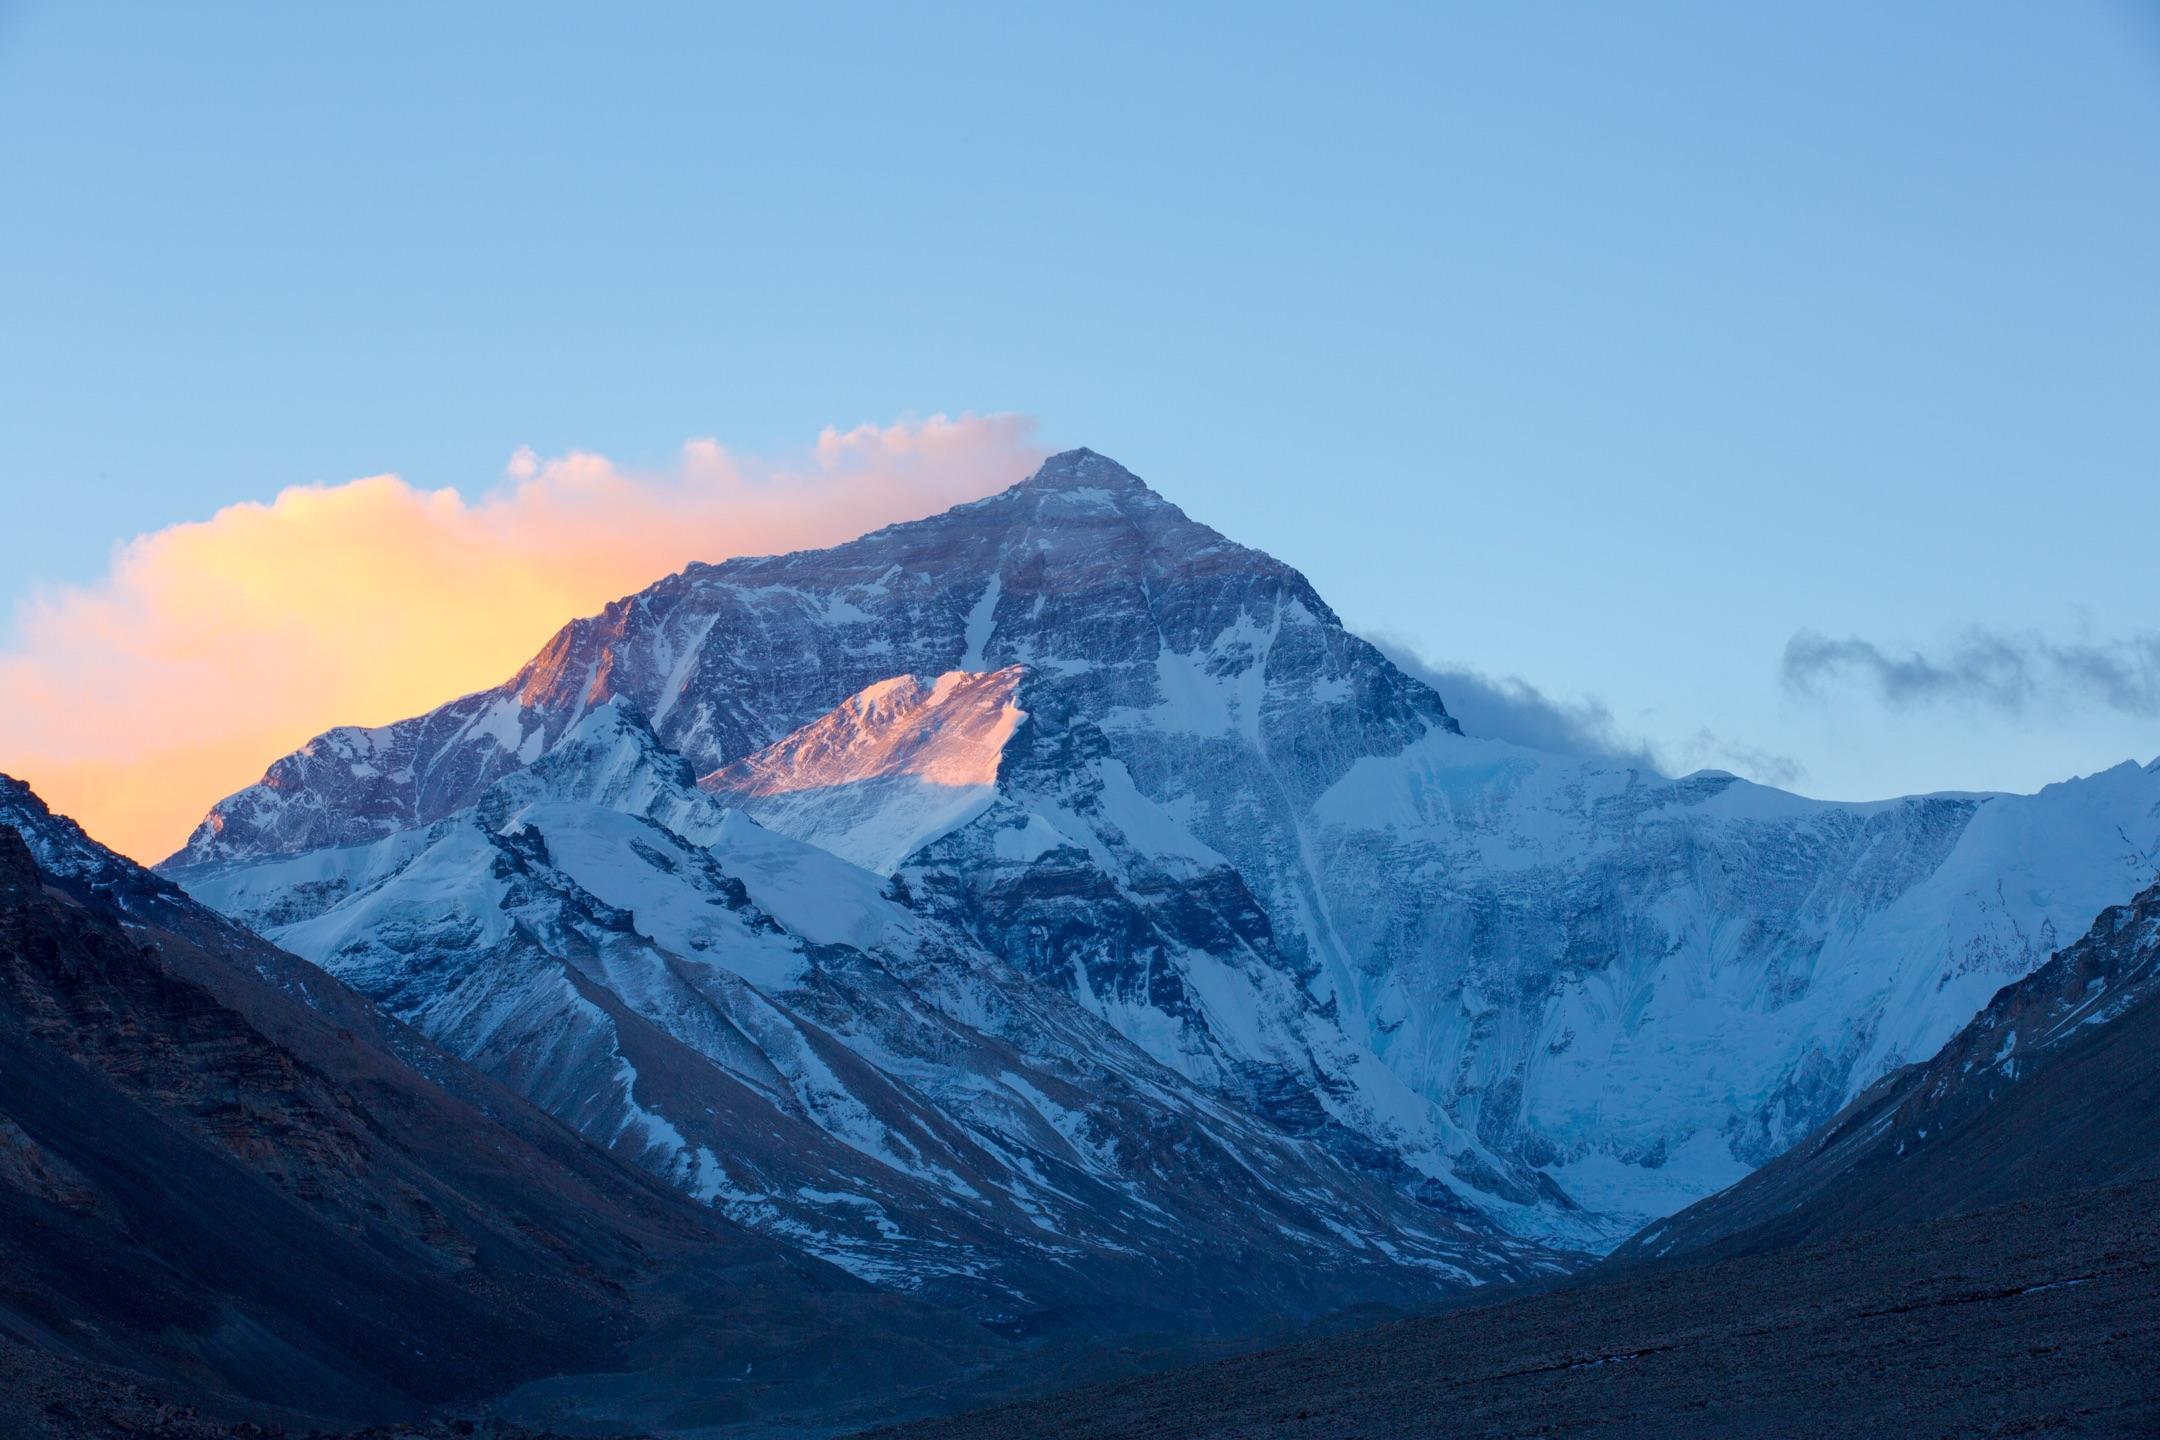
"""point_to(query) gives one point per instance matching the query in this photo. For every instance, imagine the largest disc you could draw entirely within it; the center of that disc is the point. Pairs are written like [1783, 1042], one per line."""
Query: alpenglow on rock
[893, 768]
[1565, 993]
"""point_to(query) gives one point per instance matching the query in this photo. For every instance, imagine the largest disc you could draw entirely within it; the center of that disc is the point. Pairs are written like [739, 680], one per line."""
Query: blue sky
[1607, 347]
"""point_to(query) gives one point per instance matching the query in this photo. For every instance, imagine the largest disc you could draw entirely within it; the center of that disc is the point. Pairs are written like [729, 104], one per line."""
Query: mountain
[1646, 987]
[226, 1177]
[1971, 1247]
[1082, 571]
[779, 1034]
[2054, 1087]
[1565, 994]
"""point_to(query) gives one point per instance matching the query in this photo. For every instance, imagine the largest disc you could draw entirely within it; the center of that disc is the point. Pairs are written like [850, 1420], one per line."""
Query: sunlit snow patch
[894, 767]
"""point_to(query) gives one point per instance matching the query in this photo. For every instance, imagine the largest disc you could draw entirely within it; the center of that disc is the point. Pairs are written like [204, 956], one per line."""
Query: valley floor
[2037, 1318]
[46, 1397]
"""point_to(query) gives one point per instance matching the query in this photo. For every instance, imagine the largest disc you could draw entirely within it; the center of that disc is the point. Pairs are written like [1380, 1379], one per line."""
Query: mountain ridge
[1574, 994]
[569, 674]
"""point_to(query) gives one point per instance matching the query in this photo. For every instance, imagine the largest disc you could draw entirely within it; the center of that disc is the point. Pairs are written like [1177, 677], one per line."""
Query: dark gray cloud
[1985, 669]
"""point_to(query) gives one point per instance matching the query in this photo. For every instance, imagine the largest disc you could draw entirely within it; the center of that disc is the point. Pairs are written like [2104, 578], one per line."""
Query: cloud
[1512, 709]
[1706, 749]
[1985, 670]
[210, 648]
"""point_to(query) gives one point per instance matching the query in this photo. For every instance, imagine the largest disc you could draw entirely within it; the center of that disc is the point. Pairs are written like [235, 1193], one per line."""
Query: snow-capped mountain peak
[1571, 993]
[1084, 469]
[1110, 594]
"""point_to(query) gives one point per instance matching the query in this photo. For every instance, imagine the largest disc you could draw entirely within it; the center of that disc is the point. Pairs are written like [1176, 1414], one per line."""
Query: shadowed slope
[2037, 1318]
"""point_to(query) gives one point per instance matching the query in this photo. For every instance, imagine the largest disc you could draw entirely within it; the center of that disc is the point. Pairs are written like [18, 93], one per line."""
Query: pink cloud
[211, 647]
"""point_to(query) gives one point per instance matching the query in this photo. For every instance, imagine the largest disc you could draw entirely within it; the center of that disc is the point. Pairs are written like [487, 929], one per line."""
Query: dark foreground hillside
[2037, 1318]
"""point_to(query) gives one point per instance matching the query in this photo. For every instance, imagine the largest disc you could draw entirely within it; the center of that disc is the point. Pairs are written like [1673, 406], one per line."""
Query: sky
[1768, 388]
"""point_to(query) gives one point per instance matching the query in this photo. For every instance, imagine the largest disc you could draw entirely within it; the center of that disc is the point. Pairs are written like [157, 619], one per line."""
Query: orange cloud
[212, 647]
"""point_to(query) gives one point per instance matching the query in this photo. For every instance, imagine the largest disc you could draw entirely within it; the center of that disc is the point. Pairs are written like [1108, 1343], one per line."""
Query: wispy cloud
[1510, 708]
[1706, 749]
[209, 648]
[1985, 670]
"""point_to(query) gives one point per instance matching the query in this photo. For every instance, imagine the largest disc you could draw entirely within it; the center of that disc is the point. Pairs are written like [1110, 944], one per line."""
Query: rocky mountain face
[1646, 986]
[1083, 573]
[781, 1035]
[1539, 995]
[1971, 1247]
[224, 1173]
